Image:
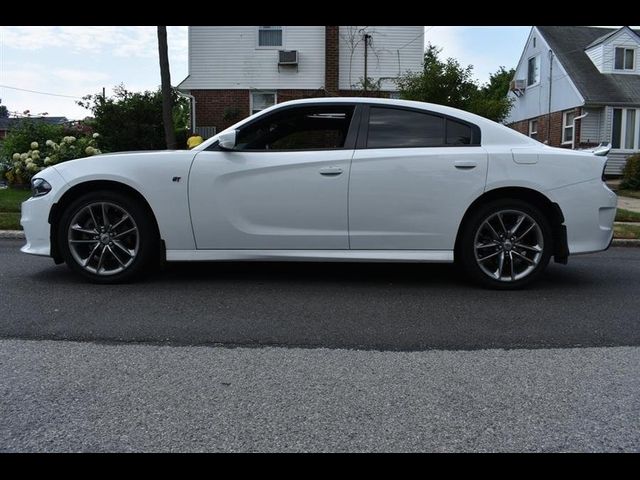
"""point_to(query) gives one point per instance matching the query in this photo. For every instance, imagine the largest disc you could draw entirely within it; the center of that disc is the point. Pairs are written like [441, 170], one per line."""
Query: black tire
[466, 252]
[147, 240]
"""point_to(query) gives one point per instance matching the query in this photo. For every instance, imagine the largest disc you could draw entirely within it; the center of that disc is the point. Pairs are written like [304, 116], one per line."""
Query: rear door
[413, 175]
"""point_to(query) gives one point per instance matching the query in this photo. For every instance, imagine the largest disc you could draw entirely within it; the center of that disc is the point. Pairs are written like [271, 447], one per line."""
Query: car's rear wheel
[506, 244]
[107, 237]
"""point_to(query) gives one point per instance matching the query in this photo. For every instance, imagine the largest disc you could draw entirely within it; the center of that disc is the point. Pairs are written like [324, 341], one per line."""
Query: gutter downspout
[573, 141]
[548, 142]
[193, 108]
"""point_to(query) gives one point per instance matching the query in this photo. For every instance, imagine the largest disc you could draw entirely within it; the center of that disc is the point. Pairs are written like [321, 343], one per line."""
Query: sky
[75, 61]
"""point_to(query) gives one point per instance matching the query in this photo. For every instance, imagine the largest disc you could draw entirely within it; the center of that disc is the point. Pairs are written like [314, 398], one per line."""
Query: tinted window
[458, 133]
[303, 128]
[394, 128]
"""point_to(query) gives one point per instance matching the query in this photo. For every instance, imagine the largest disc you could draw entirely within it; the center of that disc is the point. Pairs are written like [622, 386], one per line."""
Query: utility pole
[167, 98]
[366, 45]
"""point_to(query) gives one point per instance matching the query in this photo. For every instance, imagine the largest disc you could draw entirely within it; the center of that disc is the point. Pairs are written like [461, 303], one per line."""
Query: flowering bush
[23, 165]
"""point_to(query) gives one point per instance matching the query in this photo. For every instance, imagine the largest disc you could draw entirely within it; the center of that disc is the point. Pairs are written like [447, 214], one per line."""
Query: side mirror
[227, 140]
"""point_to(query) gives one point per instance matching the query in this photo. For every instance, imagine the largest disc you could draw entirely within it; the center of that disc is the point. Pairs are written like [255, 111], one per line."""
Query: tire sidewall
[466, 250]
[146, 231]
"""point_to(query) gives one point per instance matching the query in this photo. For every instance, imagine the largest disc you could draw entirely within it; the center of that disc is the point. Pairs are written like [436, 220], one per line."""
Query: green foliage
[20, 137]
[368, 84]
[631, 173]
[133, 121]
[4, 113]
[446, 82]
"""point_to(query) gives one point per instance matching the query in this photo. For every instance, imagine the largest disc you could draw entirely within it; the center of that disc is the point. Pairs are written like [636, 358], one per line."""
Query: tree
[133, 120]
[449, 83]
[165, 77]
[4, 113]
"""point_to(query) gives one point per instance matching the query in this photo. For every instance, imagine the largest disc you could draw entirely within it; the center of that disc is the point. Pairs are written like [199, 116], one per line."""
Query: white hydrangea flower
[16, 157]
[47, 160]
[72, 139]
[34, 145]
[96, 135]
[97, 151]
[49, 143]
[24, 156]
[89, 150]
[35, 155]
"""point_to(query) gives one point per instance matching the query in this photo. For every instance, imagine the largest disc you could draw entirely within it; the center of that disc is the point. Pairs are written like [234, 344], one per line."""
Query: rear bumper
[589, 210]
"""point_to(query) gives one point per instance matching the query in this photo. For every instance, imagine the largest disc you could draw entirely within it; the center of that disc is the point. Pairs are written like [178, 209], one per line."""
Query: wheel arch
[550, 209]
[86, 187]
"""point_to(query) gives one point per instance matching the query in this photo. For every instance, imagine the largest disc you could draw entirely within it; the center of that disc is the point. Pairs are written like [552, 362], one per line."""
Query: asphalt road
[592, 301]
[396, 358]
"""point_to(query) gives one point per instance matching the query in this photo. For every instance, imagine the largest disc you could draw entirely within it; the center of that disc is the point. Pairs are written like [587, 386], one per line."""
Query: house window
[533, 129]
[262, 100]
[534, 42]
[625, 131]
[533, 71]
[270, 37]
[624, 58]
[567, 126]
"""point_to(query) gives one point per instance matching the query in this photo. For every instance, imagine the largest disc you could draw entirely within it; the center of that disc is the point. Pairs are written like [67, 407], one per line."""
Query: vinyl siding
[596, 54]
[590, 126]
[622, 39]
[226, 57]
[535, 100]
[393, 50]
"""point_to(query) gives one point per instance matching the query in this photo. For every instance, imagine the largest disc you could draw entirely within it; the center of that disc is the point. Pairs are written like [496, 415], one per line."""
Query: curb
[15, 234]
[617, 242]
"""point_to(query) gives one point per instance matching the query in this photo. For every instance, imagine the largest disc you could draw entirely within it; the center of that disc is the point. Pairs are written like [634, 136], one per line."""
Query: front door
[284, 186]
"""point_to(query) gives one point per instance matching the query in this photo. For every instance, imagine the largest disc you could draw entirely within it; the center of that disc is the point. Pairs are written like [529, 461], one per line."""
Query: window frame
[623, 129]
[624, 59]
[539, 62]
[363, 135]
[251, 92]
[531, 131]
[565, 126]
[349, 141]
[270, 47]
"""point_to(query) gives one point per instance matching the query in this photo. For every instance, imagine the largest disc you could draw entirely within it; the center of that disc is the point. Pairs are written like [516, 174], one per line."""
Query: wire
[413, 40]
[41, 93]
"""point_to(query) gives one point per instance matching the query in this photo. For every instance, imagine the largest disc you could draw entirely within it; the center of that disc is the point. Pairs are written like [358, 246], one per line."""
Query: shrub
[631, 173]
[22, 165]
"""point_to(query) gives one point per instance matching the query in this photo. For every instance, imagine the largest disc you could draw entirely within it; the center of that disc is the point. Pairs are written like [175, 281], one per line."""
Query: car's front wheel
[506, 244]
[107, 237]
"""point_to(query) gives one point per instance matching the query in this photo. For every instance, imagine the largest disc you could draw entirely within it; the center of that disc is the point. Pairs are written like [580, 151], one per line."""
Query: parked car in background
[331, 179]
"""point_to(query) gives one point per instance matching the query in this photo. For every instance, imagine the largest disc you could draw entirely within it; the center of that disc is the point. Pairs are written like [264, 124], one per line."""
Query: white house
[576, 87]
[237, 70]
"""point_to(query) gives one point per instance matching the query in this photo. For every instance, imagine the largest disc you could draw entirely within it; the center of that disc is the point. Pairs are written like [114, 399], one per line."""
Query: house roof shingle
[569, 44]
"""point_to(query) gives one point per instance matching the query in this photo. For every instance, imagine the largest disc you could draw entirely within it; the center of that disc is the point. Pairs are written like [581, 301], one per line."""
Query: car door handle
[465, 164]
[330, 171]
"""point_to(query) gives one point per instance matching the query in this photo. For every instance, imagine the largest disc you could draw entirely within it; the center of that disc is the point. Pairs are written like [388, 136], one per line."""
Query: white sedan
[331, 179]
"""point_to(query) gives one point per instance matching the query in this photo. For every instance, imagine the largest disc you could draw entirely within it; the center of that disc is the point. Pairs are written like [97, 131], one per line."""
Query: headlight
[39, 187]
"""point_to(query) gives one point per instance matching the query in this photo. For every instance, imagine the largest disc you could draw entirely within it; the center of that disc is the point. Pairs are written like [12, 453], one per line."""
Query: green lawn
[627, 216]
[628, 193]
[626, 231]
[10, 200]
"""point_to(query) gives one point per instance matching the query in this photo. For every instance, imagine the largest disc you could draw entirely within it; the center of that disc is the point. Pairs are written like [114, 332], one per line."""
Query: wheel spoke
[119, 222]
[104, 248]
[527, 247]
[487, 245]
[525, 232]
[88, 259]
[491, 255]
[523, 257]
[513, 273]
[134, 229]
[105, 219]
[79, 229]
[123, 248]
[500, 265]
[84, 241]
[113, 254]
[95, 222]
[517, 225]
[493, 230]
[504, 229]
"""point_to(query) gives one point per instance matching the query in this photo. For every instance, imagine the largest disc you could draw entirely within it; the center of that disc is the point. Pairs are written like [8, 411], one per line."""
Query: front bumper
[35, 215]
[589, 210]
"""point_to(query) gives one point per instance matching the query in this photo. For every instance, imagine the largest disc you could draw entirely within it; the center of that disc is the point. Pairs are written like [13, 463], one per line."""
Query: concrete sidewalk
[628, 203]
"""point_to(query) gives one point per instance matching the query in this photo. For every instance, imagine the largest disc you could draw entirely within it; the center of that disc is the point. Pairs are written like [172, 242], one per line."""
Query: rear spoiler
[601, 150]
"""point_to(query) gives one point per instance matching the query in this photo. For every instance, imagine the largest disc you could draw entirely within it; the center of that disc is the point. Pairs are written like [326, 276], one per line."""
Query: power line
[413, 40]
[41, 93]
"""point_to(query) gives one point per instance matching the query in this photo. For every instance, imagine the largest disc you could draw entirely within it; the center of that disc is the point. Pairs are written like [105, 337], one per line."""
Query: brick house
[235, 71]
[577, 87]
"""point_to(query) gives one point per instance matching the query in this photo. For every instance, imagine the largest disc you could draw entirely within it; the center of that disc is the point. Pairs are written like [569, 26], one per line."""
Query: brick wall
[331, 39]
[554, 133]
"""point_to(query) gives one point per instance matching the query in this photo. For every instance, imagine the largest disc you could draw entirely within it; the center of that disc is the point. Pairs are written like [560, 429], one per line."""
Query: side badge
[176, 179]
